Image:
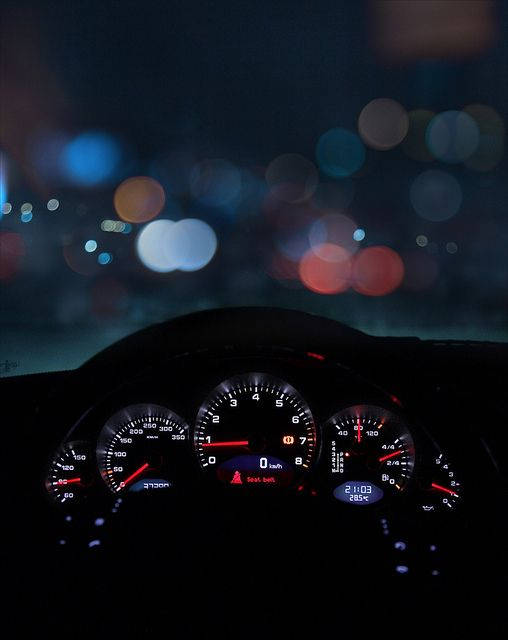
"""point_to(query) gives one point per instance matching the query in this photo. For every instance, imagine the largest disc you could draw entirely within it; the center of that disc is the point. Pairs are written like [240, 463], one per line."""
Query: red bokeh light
[377, 271]
[327, 271]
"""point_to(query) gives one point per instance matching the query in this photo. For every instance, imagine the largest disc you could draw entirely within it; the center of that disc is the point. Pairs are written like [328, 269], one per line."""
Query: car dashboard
[253, 450]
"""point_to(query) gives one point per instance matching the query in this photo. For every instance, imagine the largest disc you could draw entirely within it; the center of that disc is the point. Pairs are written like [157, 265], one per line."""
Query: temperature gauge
[69, 474]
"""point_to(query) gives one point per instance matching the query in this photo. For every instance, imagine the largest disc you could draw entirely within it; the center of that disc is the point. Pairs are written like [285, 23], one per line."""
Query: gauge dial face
[69, 475]
[370, 454]
[255, 430]
[139, 448]
[444, 490]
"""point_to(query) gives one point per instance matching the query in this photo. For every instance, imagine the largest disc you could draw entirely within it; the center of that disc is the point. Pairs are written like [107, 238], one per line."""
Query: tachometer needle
[359, 431]
[133, 475]
[68, 481]
[440, 488]
[390, 455]
[231, 443]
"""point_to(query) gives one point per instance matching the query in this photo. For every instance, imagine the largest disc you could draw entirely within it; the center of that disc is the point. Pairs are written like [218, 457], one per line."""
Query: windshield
[158, 158]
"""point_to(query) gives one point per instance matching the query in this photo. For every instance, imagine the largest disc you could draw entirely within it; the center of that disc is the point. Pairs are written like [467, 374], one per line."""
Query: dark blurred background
[345, 158]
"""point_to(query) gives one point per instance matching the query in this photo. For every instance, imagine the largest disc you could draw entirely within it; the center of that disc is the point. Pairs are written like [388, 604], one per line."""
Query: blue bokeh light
[91, 159]
[26, 216]
[359, 235]
[90, 246]
[104, 258]
[340, 153]
[436, 195]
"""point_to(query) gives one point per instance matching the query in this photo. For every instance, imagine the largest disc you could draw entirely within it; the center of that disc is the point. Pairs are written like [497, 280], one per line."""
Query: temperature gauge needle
[231, 443]
[390, 455]
[444, 489]
[133, 475]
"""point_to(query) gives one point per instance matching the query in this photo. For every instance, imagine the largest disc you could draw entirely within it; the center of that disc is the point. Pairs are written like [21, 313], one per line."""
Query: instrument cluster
[300, 426]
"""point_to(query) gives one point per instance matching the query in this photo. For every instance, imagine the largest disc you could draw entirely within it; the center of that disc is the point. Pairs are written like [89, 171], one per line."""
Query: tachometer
[255, 430]
[370, 454]
[139, 448]
[69, 475]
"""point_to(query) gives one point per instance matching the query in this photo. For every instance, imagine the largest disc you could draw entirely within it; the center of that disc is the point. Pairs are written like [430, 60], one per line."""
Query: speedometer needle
[133, 475]
[231, 443]
[390, 455]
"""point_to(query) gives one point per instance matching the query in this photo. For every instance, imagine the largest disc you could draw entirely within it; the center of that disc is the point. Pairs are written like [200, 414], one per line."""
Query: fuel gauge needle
[133, 475]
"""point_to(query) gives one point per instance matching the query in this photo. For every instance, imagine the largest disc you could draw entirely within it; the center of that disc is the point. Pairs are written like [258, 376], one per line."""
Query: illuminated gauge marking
[444, 490]
[69, 474]
[255, 430]
[139, 448]
[368, 445]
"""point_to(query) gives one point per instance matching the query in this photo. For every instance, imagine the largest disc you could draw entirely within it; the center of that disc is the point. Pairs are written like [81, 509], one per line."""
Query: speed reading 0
[255, 430]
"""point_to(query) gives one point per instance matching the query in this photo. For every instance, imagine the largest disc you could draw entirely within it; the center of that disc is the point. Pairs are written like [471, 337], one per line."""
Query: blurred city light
[359, 235]
[216, 183]
[90, 246]
[422, 241]
[292, 177]
[192, 244]
[91, 158]
[340, 153]
[452, 136]
[104, 258]
[436, 195]
[53, 204]
[187, 245]
[333, 228]
[383, 124]
[414, 144]
[139, 199]
[26, 207]
[377, 271]
[27, 216]
[326, 269]
[6, 208]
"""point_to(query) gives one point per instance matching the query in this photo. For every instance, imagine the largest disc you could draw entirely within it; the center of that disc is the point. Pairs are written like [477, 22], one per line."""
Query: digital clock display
[358, 492]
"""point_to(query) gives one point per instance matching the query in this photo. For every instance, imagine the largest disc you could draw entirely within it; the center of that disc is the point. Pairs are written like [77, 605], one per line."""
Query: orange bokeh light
[326, 269]
[139, 199]
[377, 271]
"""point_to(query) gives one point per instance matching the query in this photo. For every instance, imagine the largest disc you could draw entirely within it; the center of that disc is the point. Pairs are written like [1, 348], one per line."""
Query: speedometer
[139, 448]
[255, 430]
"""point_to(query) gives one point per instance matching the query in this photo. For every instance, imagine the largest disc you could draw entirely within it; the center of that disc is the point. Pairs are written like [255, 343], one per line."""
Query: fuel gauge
[69, 474]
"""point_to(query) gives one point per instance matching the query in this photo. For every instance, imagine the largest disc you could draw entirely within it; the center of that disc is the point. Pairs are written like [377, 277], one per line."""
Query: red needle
[134, 475]
[232, 443]
[390, 455]
[359, 431]
[69, 481]
[440, 488]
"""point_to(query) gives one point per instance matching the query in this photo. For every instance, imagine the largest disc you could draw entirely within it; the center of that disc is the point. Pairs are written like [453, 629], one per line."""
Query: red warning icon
[237, 478]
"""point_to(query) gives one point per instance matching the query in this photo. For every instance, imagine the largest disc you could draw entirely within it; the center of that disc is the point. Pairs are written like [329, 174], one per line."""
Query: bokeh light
[12, 251]
[53, 204]
[326, 269]
[216, 183]
[452, 136]
[139, 199]
[422, 240]
[192, 244]
[377, 271]
[333, 228]
[187, 245]
[27, 216]
[104, 258]
[414, 144]
[490, 150]
[26, 207]
[90, 246]
[340, 153]
[91, 158]
[359, 235]
[452, 247]
[436, 195]
[292, 177]
[383, 123]
[6, 208]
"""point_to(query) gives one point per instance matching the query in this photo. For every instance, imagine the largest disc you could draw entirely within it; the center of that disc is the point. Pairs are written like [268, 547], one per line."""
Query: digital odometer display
[255, 430]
